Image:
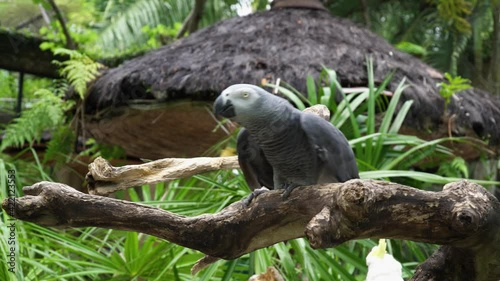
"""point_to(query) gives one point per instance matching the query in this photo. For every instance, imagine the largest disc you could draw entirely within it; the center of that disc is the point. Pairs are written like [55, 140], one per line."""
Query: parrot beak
[224, 108]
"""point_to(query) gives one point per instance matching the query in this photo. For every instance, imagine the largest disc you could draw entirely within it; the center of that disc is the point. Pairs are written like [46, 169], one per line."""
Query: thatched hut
[158, 105]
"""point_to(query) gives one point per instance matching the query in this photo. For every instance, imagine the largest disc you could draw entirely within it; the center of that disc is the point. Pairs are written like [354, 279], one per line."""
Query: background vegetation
[454, 36]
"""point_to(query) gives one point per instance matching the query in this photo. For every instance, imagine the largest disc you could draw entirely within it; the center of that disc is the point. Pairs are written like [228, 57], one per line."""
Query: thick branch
[446, 261]
[21, 52]
[463, 216]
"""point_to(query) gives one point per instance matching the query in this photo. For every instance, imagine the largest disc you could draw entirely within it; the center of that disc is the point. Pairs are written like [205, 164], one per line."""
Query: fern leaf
[79, 69]
[61, 144]
[46, 114]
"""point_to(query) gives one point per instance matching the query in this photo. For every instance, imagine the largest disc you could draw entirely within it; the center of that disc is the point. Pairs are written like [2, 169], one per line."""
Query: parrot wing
[336, 158]
[253, 163]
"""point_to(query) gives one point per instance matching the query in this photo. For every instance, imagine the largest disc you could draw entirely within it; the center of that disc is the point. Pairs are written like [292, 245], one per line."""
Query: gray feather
[253, 163]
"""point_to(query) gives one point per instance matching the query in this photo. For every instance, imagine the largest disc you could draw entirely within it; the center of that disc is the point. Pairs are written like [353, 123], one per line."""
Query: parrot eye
[245, 95]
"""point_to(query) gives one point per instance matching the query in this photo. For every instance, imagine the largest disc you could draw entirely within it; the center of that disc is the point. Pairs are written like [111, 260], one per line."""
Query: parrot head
[238, 100]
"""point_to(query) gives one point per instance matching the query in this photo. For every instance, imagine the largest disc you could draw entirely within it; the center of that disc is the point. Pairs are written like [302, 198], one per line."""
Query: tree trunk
[192, 21]
[495, 60]
[20, 52]
[69, 41]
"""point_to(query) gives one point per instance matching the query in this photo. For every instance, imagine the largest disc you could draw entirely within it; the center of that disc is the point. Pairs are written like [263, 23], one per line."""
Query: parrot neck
[272, 122]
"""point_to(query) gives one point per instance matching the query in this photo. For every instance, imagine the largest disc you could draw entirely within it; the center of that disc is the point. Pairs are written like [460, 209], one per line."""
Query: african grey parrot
[282, 147]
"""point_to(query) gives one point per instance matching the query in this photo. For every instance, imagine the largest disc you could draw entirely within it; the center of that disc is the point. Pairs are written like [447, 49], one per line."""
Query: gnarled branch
[104, 179]
[464, 216]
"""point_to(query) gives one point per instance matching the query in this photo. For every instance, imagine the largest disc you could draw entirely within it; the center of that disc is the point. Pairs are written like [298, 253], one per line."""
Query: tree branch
[495, 57]
[463, 216]
[192, 21]
[366, 13]
[69, 41]
[105, 179]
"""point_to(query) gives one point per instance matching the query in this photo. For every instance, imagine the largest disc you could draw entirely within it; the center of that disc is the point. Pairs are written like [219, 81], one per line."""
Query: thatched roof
[287, 44]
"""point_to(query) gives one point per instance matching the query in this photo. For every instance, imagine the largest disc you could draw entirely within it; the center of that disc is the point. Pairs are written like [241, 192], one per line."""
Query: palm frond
[124, 29]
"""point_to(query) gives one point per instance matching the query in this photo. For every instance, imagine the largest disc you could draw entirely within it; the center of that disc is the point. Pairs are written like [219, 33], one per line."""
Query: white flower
[382, 266]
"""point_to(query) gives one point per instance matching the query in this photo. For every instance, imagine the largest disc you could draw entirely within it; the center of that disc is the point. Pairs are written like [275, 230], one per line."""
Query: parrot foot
[247, 200]
[288, 189]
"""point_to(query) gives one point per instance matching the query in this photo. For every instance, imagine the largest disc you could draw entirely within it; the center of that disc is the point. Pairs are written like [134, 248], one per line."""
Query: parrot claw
[247, 200]
[288, 189]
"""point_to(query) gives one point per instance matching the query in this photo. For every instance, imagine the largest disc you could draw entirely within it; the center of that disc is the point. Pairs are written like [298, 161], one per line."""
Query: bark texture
[20, 52]
[463, 216]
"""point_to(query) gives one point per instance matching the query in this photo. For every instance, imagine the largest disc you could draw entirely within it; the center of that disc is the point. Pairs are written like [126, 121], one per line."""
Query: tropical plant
[47, 113]
[122, 22]
[380, 150]
[50, 112]
[446, 34]
[452, 86]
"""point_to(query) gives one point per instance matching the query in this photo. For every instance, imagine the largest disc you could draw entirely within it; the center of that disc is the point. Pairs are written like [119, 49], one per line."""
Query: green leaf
[79, 69]
[296, 99]
[411, 48]
[453, 86]
[311, 90]
[389, 113]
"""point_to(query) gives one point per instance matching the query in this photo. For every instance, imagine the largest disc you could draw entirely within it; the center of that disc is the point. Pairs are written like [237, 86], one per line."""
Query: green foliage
[45, 114]
[121, 22]
[259, 5]
[456, 168]
[453, 32]
[455, 12]
[452, 86]
[123, 29]
[60, 147]
[411, 48]
[8, 86]
[161, 34]
[106, 151]
[31, 85]
[51, 111]
[54, 39]
[79, 69]
[9, 89]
